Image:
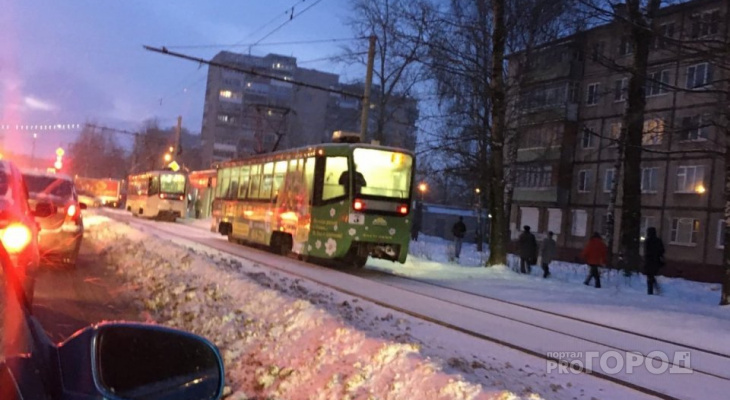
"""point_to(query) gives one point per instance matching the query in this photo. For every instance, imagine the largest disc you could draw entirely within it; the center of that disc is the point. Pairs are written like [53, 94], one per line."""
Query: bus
[158, 195]
[343, 201]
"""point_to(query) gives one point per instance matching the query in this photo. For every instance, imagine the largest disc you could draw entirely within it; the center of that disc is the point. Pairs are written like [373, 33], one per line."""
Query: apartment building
[249, 113]
[570, 110]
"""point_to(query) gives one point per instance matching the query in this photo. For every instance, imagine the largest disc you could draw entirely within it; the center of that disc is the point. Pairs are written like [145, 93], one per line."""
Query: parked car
[89, 199]
[18, 229]
[61, 231]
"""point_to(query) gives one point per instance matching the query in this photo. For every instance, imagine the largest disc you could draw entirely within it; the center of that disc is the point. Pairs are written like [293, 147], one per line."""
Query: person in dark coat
[594, 254]
[653, 259]
[547, 253]
[458, 230]
[417, 218]
[527, 248]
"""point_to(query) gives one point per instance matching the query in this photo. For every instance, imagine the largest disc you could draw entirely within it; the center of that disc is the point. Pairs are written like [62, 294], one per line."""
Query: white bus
[158, 194]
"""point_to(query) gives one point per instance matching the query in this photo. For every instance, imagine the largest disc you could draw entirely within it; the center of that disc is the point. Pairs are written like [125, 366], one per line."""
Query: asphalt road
[67, 300]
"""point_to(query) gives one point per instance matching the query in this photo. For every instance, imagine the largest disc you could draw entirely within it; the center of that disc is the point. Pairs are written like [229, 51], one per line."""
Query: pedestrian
[458, 230]
[653, 259]
[527, 247]
[416, 224]
[594, 254]
[547, 253]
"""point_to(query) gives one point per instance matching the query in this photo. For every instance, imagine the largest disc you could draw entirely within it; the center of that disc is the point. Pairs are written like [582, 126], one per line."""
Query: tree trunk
[634, 122]
[725, 295]
[498, 243]
[611, 209]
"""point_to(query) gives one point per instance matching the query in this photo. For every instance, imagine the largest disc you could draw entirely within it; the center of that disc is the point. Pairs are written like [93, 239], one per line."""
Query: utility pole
[368, 83]
[178, 132]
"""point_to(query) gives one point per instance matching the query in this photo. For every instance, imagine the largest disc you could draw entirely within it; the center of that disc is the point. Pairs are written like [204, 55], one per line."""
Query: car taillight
[403, 209]
[71, 211]
[16, 238]
[358, 205]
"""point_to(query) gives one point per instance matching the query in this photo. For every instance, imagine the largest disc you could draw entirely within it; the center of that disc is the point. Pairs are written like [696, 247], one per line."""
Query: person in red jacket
[594, 254]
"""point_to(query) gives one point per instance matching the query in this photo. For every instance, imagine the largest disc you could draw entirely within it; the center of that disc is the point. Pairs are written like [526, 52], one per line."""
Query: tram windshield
[387, 173]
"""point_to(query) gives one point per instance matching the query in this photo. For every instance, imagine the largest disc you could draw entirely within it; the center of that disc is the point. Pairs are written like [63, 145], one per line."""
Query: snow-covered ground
[284, 337]
[685, 311]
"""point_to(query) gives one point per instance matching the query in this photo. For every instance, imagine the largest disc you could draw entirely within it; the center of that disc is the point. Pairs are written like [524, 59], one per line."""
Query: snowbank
[275, 345]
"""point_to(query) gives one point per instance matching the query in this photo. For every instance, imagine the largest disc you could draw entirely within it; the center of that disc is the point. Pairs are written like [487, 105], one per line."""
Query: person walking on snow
[547, 253]
[594, 254]
[653, 259]
[527, 247]
[458, 230]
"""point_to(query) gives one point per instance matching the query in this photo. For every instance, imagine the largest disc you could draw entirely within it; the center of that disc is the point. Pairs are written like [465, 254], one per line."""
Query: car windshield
[39, 184]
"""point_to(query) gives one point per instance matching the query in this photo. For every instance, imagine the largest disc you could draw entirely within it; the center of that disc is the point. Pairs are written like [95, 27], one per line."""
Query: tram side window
[233, 186]
[267, 181]
[245, 181]
[253, 193]
[309, 176]
[279, 175]
[154, 186]
[335, 167]
[225, 182]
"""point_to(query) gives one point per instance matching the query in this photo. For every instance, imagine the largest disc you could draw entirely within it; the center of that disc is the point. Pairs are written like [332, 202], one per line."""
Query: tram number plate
[357, 219]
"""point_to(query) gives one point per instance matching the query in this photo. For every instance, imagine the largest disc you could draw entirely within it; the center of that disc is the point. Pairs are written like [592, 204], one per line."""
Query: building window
[649, 180]
[720, 242]
[588, 139]
[225, 118]
[584, 181]
[597, 51]
[699, 75]
[664, 35]
[534, 177]
[656, 83]
[694, 128]
[608, 180]
[705, 24]
[592, 94]
[619, 89]
[685, 231]
[227, 94]
[616, 133]
[626, 47]
[646, 223]
[579, 223]
[653, 132]
[690, 179]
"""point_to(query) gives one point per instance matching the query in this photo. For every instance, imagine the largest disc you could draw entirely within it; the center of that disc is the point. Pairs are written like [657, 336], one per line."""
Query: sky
[73, 61]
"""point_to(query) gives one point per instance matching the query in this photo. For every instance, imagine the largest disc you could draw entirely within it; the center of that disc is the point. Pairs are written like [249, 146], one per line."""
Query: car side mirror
[43, 210]
[139, 361]
[83, 206]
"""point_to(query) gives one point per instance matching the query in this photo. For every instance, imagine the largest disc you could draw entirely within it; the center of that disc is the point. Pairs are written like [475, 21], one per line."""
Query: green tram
[343, 201]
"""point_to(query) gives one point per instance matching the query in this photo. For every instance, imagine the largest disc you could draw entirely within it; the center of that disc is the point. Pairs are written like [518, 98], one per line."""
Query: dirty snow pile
[276, 345]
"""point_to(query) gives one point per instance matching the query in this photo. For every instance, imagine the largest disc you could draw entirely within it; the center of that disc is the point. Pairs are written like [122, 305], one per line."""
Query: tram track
[706, 376]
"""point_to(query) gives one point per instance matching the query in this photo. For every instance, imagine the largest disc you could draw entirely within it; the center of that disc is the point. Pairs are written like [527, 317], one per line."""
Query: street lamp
[32, 152]
[700, 189]
[422, 188]
[168, 157]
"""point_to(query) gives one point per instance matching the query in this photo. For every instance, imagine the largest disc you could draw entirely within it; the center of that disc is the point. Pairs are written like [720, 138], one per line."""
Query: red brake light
[71, 210]
[403, 209]
[16, 237]
[358, 205]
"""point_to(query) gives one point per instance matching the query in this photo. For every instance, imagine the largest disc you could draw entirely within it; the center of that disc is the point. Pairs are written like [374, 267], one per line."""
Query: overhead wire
[207, 46]
[291, 18]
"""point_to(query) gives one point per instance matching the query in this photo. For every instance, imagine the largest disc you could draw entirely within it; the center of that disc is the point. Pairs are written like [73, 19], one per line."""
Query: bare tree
[95, 154]
[400, 29]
